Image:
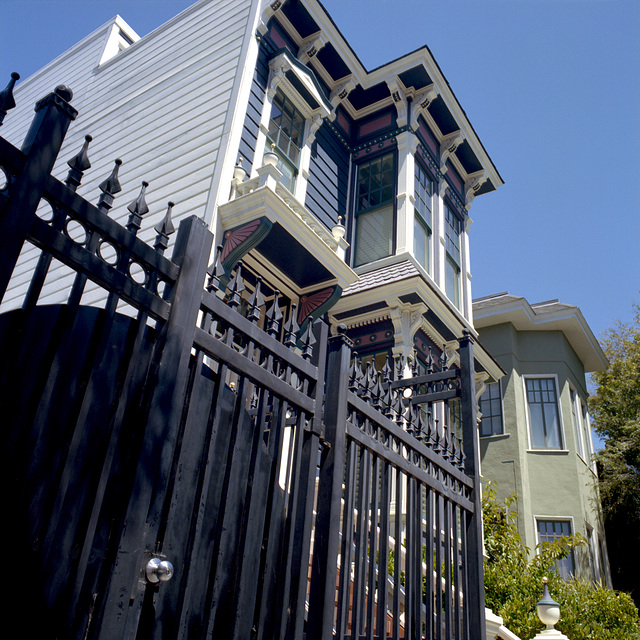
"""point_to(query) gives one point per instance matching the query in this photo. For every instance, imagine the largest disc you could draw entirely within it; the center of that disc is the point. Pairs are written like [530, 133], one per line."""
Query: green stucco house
[535, 436]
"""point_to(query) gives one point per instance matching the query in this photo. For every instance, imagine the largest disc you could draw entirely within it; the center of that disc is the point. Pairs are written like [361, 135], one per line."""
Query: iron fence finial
[6, 96]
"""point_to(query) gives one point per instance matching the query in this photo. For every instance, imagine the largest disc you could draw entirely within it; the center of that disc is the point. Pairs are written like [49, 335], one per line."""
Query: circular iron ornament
[76, 231]
[108, 253]
[138, 273]
[45, 211]
[4, 179]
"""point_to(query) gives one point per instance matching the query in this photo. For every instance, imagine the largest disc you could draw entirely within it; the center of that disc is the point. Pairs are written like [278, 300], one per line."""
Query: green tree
[513, 584]
[615, 410]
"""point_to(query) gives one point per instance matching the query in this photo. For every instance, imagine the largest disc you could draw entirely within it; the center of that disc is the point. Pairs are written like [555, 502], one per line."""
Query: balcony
[263, 216]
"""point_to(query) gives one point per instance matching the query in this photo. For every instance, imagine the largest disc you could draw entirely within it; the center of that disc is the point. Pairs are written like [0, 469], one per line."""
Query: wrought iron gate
[292, 494]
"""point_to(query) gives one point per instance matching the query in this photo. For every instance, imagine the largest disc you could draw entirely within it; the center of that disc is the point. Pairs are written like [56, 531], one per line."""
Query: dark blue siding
[254, 109]
[328, 178]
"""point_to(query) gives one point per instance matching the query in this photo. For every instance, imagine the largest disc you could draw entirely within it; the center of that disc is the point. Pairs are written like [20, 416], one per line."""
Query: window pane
[421, 241]
[374, 235]
[453, 228]
[286, 128]
[452, 281]
[575, 418]
[491, 409]
[375, 183]
[543, 413]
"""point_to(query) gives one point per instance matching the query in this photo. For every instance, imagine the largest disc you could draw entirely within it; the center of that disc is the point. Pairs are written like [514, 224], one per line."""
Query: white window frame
[420, 222]
[576, 421]
[450, 260]
[279, 66]
[562, 447]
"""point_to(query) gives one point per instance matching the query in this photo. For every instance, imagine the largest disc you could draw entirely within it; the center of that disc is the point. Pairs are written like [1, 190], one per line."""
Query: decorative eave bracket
[423, 101]
[472, 186]
[268, 12]
[448, 147]
[400, 102]
[310, 46]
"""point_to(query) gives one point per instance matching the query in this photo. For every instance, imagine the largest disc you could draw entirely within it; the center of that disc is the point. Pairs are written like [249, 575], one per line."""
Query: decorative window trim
[300, 86]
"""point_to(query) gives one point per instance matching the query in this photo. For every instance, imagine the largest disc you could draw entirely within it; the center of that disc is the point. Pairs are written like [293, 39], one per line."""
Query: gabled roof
[551, 315]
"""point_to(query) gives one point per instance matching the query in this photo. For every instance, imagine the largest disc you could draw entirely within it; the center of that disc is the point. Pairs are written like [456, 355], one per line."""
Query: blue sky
[552, 87]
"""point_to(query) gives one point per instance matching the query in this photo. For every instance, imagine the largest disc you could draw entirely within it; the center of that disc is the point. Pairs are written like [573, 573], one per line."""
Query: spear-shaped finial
[78, 165]
[109, 188]
[137, 209]
[164, 229]
[216, 271]
[6, 96]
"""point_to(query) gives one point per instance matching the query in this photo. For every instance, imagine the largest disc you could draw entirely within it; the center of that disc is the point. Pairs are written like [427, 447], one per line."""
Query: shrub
[513, 584]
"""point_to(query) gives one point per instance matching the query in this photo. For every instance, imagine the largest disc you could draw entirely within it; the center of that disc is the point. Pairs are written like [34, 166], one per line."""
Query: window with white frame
[550, 530]
[286, 131]
[490, 406]
[423, 218]
[452, 232]
[586, 434]
[375, 209]
[577, 422]
[543, 413]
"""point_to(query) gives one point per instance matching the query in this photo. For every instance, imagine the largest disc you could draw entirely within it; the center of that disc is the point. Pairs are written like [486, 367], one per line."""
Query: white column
[407, 144]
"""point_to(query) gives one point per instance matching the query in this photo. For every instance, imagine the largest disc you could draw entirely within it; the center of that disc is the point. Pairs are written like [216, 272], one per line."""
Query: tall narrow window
[286, 130]
[550, 530]
[423, 224]
[544, 422]
[374, 210]
[453, 228]
[575, 419]
[586, 434]
[491, 409]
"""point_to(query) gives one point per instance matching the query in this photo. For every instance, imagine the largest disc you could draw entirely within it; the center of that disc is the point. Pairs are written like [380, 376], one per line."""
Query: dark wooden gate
[184, 462]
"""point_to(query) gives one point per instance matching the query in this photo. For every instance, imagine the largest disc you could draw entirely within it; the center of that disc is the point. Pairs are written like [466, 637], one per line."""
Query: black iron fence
[208, 440]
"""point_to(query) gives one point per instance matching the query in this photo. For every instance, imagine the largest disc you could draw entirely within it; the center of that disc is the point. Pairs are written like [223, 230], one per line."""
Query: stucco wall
[554, 483]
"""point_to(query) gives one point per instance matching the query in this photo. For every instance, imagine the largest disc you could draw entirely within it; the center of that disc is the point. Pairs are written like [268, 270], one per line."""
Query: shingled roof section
[383, 276]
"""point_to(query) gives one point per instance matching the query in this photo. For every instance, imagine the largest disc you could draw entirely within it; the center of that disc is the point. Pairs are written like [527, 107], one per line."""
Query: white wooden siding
[161, 105]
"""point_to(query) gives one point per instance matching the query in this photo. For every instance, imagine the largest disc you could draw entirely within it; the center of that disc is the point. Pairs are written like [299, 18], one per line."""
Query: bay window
[375, 209]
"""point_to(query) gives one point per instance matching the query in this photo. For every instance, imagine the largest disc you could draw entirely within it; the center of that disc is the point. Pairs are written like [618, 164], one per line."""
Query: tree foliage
[513, 584]
[615, 410]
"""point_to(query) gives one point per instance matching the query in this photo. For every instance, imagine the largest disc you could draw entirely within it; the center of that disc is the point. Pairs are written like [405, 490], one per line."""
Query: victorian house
[346, 190]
